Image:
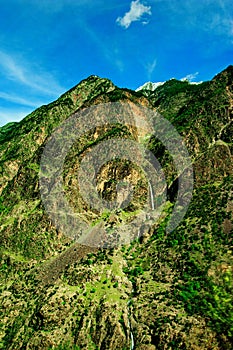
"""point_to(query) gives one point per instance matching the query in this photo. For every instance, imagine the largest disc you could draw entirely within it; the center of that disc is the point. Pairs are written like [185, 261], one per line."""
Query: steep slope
[161, 291]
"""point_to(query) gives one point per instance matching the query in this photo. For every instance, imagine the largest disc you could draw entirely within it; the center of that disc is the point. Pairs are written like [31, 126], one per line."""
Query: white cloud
[190, 77]
[137, 10]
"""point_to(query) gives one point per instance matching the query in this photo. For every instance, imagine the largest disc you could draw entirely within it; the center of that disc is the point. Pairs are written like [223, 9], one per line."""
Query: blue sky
[48, 46]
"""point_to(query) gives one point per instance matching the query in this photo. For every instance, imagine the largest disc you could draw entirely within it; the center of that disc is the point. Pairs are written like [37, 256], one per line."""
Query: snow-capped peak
[150, 86]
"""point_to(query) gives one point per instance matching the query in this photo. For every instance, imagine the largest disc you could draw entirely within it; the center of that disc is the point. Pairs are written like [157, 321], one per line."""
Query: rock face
[162, 290]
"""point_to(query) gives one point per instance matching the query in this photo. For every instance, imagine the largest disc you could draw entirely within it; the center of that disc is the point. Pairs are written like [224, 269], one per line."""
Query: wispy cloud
[222, 19]
[23, 74]
[150, 67]
[190, 77]
[109, 53]
[213, 16]
[24, 87]
[13, 114]
[136, 12]
[20, 100]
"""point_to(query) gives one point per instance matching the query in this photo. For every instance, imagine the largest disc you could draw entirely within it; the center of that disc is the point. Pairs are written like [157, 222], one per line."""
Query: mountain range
[163, 289]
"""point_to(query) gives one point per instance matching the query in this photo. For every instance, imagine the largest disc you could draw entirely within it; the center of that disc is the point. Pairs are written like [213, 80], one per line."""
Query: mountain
[164, 289]
[150, 86]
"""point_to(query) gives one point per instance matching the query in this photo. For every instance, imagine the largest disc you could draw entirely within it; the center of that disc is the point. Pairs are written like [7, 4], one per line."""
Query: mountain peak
[150, 86]
[90, 85]
[226, 75]
[229, 69]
